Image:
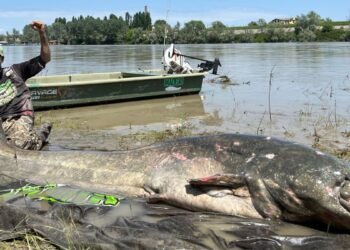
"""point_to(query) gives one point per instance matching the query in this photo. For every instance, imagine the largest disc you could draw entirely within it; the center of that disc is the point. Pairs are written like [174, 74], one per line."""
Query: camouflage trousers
[20, 132]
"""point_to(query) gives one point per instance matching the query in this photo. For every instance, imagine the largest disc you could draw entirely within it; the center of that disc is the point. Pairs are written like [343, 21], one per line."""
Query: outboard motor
[209, 65]
[174, 62]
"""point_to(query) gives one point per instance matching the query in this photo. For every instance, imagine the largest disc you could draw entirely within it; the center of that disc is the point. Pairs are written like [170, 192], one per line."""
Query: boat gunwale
[44, 105]
[108, 81]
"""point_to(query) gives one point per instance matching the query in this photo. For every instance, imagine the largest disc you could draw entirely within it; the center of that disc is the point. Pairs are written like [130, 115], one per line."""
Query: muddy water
[295, 91]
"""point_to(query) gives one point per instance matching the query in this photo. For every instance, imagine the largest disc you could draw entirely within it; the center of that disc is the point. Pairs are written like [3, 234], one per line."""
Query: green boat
[92, 88]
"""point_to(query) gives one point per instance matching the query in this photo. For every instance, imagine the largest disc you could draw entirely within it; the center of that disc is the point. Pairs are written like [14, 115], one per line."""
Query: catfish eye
[345, 191]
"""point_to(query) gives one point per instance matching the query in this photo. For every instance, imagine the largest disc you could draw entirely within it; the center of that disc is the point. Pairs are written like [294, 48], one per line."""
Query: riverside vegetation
[139, 29]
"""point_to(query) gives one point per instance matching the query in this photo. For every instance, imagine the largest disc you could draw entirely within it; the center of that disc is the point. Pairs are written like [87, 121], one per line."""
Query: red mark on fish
[330, 191]
[204, 179]
[180, 156]
[218, 148]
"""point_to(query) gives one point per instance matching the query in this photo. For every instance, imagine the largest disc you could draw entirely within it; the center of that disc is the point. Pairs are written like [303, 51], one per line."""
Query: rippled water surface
[310, 88]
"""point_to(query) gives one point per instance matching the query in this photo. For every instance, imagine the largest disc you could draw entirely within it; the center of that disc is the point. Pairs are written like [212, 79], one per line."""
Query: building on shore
[284, 21]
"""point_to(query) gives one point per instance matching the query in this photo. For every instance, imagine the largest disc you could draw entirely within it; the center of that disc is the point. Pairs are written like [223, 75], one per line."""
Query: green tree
[346, 36]
[227, 36]
[213, 35]
[135, 36]
[194, 32]
[306, 36]
[160, 31]
[2, 37]
[128, 19]
[93, 30]
[261, 22]
[253, 24]
[61, 20]
[218, 26]
[327, 25]
[58, 31]
[114, 30]
[13, 37]
[306, 26]
[311, 21]
[142, 20]
[277, 33]
[30, 35]
[76, 30]
[138, 29]
[174, 34]
[244, 38]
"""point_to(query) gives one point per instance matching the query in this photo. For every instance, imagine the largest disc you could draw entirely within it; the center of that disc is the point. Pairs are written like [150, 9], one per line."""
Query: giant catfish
[249, 176]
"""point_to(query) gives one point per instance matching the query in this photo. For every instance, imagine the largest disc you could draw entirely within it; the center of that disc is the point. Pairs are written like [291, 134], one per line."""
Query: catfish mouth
[220, 185]
[344, 197]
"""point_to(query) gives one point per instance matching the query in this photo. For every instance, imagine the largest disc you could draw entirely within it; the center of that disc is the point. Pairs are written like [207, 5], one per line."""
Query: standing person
[16, 109]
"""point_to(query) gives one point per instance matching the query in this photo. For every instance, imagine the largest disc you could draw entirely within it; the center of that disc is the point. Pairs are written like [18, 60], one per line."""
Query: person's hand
[38, 25]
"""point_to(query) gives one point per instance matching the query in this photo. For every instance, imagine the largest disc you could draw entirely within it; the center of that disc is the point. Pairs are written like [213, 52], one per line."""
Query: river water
[295, 91]
[310, 88]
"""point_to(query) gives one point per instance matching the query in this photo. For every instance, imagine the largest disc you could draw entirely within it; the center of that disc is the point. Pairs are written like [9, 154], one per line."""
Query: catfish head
[322, 197]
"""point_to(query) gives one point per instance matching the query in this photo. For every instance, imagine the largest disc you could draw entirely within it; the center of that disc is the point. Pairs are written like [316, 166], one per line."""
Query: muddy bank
[132, 124]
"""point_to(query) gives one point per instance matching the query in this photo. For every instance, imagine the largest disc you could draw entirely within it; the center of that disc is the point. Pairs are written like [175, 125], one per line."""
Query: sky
[17, 13]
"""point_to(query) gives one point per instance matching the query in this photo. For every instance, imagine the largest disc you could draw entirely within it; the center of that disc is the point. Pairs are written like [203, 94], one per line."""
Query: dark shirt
[15, 99]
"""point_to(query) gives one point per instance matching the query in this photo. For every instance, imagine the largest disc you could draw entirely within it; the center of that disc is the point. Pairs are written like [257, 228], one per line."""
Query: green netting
[57, 193]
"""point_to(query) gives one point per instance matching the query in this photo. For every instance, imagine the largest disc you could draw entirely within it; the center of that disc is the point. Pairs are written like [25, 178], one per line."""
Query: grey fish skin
[281, 179]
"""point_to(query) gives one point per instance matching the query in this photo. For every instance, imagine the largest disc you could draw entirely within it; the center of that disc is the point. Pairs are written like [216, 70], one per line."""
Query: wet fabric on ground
[134, 224]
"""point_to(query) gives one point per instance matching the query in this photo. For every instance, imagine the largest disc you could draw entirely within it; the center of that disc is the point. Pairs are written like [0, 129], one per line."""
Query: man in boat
[16, 109]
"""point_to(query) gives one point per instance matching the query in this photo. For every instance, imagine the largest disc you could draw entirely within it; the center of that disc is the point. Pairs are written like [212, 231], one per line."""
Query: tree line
[139, 29]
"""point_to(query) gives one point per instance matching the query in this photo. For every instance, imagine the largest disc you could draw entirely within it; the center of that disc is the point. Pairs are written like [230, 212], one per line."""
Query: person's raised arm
[45, 49]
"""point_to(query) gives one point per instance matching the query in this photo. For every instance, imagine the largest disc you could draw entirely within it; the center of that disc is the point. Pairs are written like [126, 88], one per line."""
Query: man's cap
[1, 51]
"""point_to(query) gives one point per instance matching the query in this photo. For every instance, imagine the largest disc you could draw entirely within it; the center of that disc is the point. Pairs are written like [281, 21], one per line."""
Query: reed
[270, 86]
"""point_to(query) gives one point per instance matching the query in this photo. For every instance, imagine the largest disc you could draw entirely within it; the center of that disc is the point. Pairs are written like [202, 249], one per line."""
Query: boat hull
[88, 89]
